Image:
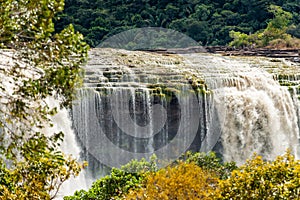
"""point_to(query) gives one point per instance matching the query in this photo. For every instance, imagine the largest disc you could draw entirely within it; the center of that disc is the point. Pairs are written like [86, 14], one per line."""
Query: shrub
[210, 162]
[118, 183]
[274, 35]
[259, 179]
[182, 181]
[112, 186]
[239, 39]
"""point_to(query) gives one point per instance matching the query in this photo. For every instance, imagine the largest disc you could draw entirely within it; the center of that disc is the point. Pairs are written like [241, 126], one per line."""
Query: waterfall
[257, 117]
[134, 104]
[255, 114]
[62, 123]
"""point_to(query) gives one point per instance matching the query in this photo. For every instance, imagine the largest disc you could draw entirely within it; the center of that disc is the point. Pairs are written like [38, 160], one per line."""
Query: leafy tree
[210, 162]
[200, 176]
[259, 179]
[274, 35]
[109, 187]
[37, 64]
[240, 39]
[182, 181]
[134, 180]
[119, 182]
[277, 26]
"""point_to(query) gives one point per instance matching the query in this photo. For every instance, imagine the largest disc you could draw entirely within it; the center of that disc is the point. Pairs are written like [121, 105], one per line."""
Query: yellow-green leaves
[37, 63]
[259, 179]
[183, 181]
[39, 178]
[274, 35]
[201, 176]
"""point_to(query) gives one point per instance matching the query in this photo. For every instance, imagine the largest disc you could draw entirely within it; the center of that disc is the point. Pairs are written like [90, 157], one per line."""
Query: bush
[274, 35]
[182, 181]
[287, 42]
[199, 176]
[210, 162]
[118, 183]
[259, 179]
[239, 39]
[113, 186]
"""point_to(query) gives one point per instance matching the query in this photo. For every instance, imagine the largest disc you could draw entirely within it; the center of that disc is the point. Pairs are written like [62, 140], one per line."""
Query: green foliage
[277, 26]
[39, 176]
[141, 166]
[200, 176]
[239, 39]
[42, 64]
[137, 176]
[113, 186]
[206, 21]
[259, 179]
[281, 18]
[37, 64]
[210, 162]
[182, 181]
[274, 35]
[119, 182]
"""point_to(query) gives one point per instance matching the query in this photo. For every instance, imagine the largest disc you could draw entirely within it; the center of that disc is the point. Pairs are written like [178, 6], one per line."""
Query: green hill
[206, 21]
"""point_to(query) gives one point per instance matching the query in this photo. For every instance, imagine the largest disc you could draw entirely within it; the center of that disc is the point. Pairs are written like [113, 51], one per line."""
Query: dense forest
[208, 22]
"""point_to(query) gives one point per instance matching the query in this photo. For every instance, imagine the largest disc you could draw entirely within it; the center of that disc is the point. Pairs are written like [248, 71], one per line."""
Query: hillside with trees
[206, 21]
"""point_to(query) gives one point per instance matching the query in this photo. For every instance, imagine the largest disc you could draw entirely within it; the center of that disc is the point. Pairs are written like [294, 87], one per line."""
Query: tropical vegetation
[197, 176]
[206, 21]
[275, 35]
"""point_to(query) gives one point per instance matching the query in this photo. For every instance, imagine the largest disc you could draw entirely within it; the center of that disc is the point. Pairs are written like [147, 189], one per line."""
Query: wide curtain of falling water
[136, 121]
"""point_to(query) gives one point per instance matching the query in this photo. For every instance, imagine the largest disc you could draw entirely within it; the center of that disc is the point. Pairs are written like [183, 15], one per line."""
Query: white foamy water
[62, 122]
[254, 113]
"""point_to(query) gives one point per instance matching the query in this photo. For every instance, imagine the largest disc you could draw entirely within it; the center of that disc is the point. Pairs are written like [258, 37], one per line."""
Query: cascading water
[134, 104]
[255, 113]
[62, 123]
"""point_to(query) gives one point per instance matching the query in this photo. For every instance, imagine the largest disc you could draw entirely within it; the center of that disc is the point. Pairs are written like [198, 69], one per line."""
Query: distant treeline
[206, 21]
